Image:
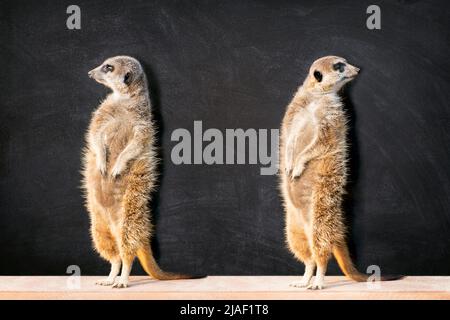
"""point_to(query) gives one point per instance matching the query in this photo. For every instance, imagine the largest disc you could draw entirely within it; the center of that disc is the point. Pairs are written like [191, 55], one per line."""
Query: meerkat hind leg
[299, 245]
[115, 270]
[127, 263]
[106, 246]
[319, 280]
[307, 276]
[322, 252]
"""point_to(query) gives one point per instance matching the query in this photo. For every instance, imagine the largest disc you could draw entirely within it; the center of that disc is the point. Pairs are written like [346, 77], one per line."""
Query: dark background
[233, 64]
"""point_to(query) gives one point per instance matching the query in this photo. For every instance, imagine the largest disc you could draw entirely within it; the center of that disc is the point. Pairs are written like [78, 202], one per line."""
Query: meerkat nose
[90, 74]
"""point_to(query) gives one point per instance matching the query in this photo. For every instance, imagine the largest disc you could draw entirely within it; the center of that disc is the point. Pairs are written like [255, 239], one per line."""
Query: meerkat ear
[127, 78]
[318, 76]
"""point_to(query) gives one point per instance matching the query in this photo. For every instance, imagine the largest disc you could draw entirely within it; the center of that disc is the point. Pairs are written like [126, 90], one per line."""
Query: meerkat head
[122, 74]
[329, 74]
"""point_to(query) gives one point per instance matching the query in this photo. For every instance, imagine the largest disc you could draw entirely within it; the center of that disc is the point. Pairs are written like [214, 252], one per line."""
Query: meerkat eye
[107, 68]
[318, 75]
[339, 66]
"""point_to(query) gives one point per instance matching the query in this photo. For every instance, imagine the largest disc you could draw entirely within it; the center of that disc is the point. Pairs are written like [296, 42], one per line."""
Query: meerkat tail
[346, 264]
[148, 262]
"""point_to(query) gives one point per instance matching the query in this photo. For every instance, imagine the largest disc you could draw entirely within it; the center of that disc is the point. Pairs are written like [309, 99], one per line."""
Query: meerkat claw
[299, 284]
[314, 287]
[102, 168]
[119, 285]
[297, 172]
[116, 171]
[287, 171]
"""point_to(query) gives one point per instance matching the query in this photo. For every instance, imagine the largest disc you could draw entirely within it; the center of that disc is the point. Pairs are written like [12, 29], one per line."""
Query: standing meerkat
[313, 169]
[120, 171]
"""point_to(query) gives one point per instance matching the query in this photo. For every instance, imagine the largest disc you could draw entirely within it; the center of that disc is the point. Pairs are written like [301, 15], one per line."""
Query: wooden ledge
[222, 287]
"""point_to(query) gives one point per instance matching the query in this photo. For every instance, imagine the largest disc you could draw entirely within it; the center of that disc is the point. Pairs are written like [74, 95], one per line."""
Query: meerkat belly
[301, 190]
[117, 136]
[303, 135]
[109, 190]
[303, 132]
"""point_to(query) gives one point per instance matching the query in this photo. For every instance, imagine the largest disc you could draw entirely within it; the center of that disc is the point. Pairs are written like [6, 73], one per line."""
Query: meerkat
[120, 171]
[313, 171]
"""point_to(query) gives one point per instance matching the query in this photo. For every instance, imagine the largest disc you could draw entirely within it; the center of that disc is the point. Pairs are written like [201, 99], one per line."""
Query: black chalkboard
[229, 64]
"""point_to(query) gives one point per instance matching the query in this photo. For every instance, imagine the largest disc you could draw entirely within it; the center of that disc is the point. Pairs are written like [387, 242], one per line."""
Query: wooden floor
[221, 287]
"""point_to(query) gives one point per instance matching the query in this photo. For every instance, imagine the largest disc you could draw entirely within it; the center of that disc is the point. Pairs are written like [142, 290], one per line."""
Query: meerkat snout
[351, 71]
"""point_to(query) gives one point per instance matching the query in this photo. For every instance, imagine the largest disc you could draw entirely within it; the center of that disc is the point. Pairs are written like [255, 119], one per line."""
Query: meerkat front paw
[288, 169]
[289, 158]
[297, 171]
[117, 169]
[294, 172]
[105, 282]
[101, 166]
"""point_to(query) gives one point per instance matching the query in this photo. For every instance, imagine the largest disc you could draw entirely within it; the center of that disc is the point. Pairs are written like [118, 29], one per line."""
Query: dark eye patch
[318, 75]
[127, 78]
[107, 68]
[340, 66]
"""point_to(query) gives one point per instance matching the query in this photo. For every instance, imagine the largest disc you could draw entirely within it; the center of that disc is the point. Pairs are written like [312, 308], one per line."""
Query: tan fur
[119, 171]
[313, 166]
